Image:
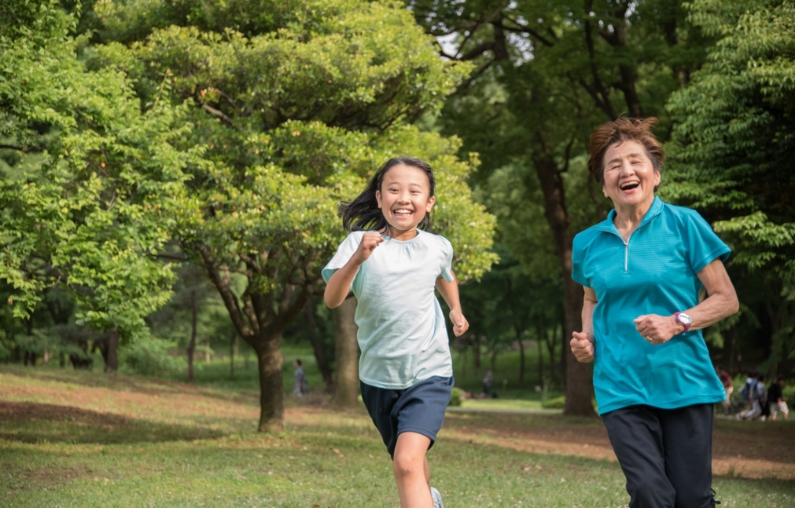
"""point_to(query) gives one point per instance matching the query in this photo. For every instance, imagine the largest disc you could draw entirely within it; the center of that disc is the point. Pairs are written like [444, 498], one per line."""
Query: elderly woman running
[643, 270]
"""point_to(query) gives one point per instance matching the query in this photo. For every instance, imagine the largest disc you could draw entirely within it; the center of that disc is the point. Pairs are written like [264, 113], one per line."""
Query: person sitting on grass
[776, 401]
[392, 266]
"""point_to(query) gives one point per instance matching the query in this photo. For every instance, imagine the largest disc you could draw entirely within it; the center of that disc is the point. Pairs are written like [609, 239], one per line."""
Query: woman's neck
[628, 218]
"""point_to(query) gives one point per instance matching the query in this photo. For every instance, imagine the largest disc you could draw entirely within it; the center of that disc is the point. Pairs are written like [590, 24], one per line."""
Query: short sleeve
[702, 244]
[447, 261]
[343, 254]
[578, 254]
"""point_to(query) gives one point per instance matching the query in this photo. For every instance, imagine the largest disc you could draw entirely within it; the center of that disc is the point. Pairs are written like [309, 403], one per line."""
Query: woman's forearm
[587, 311]
[722, 300]
[586, 318]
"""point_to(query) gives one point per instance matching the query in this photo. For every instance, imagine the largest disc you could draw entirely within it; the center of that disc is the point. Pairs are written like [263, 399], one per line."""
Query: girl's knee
[408, 464]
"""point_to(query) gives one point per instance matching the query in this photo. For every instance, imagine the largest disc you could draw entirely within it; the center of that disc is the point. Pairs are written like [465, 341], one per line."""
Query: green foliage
[788, 394]
[51, 341]
[734, 142]
[87, 181]
[456, 395]
[555, 403]
[294, 112]
[733, 149]
[151, 356]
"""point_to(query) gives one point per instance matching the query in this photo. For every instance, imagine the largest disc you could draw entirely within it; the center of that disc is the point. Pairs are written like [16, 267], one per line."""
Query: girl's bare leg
[411, 470]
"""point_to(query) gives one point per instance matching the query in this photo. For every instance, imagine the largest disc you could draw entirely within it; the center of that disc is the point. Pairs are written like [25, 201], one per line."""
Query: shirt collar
[655, 209]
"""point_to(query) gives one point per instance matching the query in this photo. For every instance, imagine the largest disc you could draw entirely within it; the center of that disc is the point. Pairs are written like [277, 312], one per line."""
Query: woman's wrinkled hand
[582, 346]
[657, 329]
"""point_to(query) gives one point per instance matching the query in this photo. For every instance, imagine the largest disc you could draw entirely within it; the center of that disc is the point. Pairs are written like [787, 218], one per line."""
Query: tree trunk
[234, 350]
[541, 359]
[270, 379]
[476, 357]
[320, 351]
[579, 387]
[463, 353]
[521, 361]
[579, 378]
[193, 338]
[113, 347]
[729, 349]
[346, 361]
[551, 349]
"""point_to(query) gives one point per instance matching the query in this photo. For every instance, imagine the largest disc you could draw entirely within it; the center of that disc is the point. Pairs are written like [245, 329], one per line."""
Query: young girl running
[392, 267]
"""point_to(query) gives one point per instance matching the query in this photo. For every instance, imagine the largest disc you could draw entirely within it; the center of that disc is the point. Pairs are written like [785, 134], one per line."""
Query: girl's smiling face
[404, 198]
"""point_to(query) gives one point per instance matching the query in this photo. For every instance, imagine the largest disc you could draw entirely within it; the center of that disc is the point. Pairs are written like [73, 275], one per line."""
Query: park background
[170, 177]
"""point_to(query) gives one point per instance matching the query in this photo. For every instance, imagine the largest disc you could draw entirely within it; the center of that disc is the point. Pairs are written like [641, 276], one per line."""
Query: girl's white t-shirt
[402, 332]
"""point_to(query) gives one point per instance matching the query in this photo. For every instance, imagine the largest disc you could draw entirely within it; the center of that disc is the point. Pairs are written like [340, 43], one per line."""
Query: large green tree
[734, 144]
[295, 105]
[88, 178]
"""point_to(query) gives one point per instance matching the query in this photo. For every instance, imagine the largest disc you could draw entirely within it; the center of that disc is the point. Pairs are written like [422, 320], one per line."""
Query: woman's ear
[378, 198]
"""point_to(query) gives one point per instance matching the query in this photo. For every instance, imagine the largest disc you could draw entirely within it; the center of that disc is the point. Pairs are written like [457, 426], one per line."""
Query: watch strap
[678, 320]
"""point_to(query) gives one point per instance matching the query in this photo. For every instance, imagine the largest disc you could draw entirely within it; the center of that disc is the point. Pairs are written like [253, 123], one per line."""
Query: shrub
[555, 403]
[150, 356]
[788, 395]
[456, 396]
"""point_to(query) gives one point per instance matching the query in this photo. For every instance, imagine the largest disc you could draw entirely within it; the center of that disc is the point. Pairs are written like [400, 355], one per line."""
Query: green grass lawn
[84, 439]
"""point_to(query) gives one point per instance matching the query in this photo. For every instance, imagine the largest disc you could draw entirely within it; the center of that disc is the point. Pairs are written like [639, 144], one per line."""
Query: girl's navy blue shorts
[419, 408]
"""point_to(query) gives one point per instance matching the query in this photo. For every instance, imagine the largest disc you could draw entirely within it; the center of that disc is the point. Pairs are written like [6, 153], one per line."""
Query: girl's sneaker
[437, 498]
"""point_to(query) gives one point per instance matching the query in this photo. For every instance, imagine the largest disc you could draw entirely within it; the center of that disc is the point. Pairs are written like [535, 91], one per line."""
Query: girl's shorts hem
[419, 408]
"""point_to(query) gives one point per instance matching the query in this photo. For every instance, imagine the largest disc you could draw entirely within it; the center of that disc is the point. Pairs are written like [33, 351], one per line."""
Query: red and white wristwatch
[684, 319]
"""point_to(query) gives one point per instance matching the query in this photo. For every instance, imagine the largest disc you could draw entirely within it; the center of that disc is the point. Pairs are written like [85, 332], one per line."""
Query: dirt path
[745, 449]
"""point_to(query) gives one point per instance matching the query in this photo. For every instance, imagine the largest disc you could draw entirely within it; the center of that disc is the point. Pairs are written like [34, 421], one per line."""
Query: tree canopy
[88, 178]
[293, 111]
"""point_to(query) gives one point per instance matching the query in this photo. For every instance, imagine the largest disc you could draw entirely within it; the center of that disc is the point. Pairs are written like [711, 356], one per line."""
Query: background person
[642, 270]
[750, 393]
[761, 396]
[727, 384]
[300, 382]
[487, 384]
[776, 401]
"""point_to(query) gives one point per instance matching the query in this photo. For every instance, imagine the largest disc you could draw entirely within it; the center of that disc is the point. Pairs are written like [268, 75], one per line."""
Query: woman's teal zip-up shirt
[654, 272]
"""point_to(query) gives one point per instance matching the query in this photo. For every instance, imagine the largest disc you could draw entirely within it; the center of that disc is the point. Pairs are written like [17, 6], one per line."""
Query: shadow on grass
[139, 384]
[31, 422]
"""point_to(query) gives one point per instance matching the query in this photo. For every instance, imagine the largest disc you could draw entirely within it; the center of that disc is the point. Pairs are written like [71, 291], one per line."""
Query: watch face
[684, 318]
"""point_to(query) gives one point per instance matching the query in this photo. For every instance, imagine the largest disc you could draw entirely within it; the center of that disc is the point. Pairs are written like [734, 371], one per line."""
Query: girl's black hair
[363, 214]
